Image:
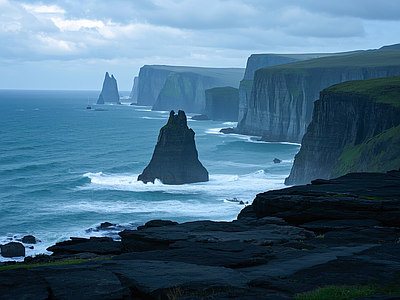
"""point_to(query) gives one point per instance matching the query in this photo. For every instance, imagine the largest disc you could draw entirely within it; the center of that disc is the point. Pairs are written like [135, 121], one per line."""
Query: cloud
[187, 32]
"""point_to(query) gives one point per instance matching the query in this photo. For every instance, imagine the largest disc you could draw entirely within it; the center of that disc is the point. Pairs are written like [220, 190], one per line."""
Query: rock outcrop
[222, 104]
[175, 158]
[282, 97]
[109, 92]
[355, 128]
[288, 242]
[182, 88]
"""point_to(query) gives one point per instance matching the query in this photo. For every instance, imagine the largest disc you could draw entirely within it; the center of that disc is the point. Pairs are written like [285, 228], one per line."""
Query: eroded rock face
[352, 130]
[109, 92]
[281, 102]
[175, 158]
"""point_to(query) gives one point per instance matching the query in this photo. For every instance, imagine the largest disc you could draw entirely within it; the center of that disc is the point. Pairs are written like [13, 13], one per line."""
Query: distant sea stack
[282, 97]
[175, 158]
[355, 128]
[109, 93]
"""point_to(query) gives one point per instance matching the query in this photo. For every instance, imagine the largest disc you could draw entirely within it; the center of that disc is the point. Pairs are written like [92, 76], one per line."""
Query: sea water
[65, 169]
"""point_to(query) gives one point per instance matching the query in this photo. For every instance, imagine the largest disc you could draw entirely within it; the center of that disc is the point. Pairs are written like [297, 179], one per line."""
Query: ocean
[65, 169]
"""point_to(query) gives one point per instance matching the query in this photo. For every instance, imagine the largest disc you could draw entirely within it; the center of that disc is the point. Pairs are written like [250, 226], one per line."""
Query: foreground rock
[265, 254]
[175, 158]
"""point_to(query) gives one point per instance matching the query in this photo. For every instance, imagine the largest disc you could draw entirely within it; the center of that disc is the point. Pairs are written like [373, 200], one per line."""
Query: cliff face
[151, 81]
[281, 101]
[222, 104]
[355, 128]
[109, 92]
[175, 158]
[133, 96]
[259, 61]
[175, 87]
[185, 89]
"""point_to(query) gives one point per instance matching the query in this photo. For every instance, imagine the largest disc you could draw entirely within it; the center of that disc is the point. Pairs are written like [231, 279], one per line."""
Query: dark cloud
[219, 33]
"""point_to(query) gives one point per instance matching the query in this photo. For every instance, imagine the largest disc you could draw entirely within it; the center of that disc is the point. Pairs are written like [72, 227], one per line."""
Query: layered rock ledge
[289, 241]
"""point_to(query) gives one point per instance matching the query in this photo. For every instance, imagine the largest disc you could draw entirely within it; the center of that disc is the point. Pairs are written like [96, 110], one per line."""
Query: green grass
[344, 292]
[357, 60]
[382, 90]
[48, 264]
[379, 153]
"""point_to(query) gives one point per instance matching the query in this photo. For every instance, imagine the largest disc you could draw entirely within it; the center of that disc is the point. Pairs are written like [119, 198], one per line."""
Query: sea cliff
[182, 88]
[259, 61]
[222, 103]
[355, 128]
[281, 102]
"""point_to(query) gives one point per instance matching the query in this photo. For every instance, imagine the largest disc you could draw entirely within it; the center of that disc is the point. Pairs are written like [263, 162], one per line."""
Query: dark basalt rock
[175, 158]
[29, 239]
[355, 196]
[109, 92]
[12, 249]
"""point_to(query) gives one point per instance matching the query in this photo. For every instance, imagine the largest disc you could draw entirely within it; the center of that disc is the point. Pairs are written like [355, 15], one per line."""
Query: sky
[70, 44]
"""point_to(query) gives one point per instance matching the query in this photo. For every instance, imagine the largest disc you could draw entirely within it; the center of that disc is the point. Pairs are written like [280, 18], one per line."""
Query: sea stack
[175, 158]
[109, 93]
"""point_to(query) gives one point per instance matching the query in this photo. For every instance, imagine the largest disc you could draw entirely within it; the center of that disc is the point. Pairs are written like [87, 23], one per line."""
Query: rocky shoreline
[343, 231]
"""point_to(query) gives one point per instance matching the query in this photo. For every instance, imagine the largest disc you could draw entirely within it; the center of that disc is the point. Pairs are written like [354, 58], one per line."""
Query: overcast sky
[70, 44]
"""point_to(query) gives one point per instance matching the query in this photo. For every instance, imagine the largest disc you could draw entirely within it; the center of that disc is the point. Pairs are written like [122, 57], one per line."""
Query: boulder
[13, 249]
[29, 239]
[175, 158]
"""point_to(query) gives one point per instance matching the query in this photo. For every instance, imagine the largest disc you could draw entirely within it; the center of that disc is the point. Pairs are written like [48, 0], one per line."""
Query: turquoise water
[65, 169]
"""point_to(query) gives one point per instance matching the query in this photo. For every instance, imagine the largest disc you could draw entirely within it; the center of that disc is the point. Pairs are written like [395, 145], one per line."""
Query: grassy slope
[383, 90]
[356, 60]
[225, 74]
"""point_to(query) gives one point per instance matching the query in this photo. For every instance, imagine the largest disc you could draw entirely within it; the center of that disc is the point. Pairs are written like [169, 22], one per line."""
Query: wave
[218, 186]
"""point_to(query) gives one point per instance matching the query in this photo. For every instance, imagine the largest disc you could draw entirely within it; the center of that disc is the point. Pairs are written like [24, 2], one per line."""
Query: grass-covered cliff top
[232, 73]
[383, 90]
[356, 60]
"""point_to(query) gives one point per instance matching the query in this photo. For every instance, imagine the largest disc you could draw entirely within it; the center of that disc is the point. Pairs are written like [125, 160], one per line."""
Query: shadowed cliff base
[175, 158]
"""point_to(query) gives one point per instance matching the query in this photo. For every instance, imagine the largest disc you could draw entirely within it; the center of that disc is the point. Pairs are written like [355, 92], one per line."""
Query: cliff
[222, 103]
[185, 88]
[109, 92]
[355, 128]
[282, 97]
[259, 61]
[133, 96]
[175, 158]
[176, 87]
[151, 81]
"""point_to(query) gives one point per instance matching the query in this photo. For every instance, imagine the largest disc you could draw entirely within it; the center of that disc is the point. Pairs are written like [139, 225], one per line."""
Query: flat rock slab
[81, 282]
[160, 238]
[233, 254]
[159, 278]
[376, 265]
[22, 284]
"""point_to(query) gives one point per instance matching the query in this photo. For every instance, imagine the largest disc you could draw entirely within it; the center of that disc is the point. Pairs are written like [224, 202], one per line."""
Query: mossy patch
[379, 153]
[344, 292]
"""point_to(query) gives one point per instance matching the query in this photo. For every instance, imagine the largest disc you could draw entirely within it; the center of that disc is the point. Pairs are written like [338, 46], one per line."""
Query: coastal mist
[65, 169]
